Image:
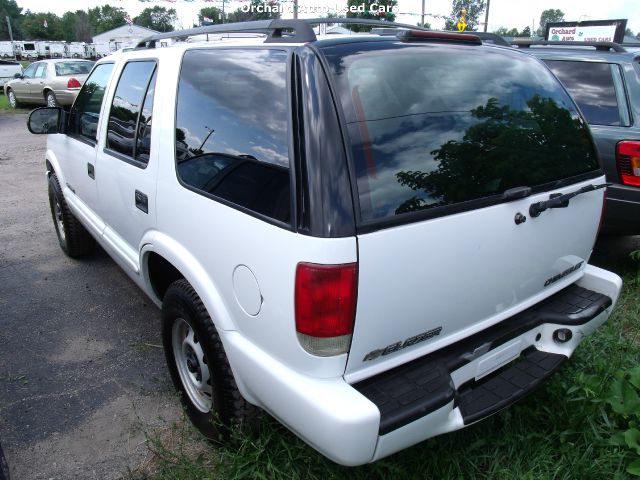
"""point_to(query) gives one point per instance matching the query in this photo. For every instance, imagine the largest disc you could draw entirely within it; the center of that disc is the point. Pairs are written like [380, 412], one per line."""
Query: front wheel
[74, 239]
[198, 364]
[13, 101]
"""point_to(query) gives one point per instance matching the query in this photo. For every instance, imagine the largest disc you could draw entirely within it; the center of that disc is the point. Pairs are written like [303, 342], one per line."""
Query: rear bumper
[360, 423]
[66, 97]
[622, 210]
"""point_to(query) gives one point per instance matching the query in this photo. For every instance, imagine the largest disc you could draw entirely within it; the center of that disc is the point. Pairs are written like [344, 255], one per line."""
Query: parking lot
[82, 377]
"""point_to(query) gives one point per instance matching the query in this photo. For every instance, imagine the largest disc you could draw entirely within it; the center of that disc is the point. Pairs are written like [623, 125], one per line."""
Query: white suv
[375, 238]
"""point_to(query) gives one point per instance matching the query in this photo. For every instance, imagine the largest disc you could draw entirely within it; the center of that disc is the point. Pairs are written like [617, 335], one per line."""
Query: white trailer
[78, 50]
[58, 50]
[6, 50]
[33, 50]
[102, 49]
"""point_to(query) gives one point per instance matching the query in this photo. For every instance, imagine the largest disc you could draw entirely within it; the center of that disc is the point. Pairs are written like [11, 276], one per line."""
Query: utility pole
[423, 13]
[486, 16]
[9, 27]
[223, 11]
[295, 9]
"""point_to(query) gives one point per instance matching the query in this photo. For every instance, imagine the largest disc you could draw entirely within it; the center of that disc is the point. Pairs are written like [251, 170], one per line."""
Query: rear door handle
[90, 171]
[142, 201]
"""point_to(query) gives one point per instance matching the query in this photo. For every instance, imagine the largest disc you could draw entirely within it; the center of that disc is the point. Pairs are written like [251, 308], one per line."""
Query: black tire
[229, 407]
[74, 239]
[4, 468]
[11, 97]
[51, 99]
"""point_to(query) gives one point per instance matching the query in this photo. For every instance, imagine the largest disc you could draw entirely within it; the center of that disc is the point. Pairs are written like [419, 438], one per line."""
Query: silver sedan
[48, 82]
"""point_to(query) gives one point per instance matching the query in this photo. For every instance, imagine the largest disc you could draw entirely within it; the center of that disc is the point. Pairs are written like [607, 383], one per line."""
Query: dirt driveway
[81, 376]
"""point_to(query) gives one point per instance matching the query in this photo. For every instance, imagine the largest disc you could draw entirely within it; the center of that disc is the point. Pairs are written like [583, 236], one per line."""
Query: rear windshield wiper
[561, 201]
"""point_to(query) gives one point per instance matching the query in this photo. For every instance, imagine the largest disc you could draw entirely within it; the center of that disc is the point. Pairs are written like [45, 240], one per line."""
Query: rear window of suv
[436, 127]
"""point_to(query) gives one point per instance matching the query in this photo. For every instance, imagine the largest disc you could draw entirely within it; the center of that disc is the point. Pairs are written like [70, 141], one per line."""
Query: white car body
[6, 50]
[460, 284]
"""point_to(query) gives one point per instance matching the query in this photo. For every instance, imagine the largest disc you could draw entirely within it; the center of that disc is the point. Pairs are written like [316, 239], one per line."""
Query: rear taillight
[325, 307]
[628, 158]
[73, 83]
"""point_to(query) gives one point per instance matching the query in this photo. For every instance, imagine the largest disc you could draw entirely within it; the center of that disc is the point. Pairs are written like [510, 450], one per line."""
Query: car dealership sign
[589, 31]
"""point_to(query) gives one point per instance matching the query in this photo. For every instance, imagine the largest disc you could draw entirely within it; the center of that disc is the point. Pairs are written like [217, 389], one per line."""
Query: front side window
[30, 71]
[591, 86]
[231, 128]
[85, 112]
[122, 131]
[432, 126]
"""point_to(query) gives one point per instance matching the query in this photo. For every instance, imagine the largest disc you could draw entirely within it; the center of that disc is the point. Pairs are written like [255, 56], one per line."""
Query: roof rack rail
[277, 31]
[603, 46]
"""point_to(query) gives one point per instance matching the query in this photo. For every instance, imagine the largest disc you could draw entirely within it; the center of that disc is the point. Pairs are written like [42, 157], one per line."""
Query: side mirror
[46, 120]
[17, 75]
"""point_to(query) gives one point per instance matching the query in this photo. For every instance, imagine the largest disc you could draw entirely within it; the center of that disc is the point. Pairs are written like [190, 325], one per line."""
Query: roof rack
[602, 46]
[277, 31]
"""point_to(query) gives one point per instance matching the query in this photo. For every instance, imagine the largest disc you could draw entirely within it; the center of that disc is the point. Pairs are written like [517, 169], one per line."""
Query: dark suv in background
[604, 80]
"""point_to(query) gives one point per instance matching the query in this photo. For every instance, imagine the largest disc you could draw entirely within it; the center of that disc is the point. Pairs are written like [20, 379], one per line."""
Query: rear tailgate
[425, 285]
[450, 146]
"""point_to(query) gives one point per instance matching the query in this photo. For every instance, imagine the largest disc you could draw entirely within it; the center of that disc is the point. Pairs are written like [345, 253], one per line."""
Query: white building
[124, 36]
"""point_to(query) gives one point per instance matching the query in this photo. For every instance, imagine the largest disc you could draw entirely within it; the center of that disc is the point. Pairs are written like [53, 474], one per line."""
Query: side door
[80, 146]
[21, 87]
[127, 164]
[37, 84]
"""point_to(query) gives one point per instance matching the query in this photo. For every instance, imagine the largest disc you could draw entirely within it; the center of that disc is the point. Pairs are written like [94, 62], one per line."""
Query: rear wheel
[13, 101]
[74, 239]
[198, 364]
[52, 101]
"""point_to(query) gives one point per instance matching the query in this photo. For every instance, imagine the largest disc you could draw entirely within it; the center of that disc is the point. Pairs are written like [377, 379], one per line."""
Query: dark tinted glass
[231, 131]
[85, 112]
[143, 144]
[434, 125]
[591, 86]
[127, 102]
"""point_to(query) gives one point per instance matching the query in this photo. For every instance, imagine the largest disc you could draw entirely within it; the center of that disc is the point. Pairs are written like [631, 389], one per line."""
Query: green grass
[562, 431]
[5, 107]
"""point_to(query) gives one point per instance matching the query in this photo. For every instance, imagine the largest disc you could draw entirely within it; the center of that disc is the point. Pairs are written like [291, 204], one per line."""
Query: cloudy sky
[503, 13]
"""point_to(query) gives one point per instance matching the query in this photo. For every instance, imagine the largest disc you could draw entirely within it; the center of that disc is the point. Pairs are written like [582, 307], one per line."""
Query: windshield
[432, 125]
[73, 68]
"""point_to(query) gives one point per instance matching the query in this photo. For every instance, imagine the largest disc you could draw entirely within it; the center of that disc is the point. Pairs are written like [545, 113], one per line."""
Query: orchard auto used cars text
[279, 8]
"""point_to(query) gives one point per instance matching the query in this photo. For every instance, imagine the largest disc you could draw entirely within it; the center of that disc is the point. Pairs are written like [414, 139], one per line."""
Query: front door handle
[91, 171]
[142, 201]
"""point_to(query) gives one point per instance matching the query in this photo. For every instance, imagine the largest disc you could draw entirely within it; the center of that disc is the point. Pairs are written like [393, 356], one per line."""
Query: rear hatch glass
[439, 128]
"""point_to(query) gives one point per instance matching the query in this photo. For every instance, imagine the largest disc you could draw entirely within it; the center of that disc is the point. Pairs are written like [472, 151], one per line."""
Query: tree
[75, 27]
[425, 25]
[628, 33]
[106, 17]
[550, 15]
[526, 32]
[157, 18]
[473, 7]
[212, 13]
[41, 26]
[9, 8]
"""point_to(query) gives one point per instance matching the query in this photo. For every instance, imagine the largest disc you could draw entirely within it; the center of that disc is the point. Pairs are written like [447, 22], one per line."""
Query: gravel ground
[82, 377]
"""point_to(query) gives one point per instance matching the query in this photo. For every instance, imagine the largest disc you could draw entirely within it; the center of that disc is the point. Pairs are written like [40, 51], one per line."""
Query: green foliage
[624, 400]
[157, 18]
[550, 15]
[33, 26]
[106, 17]
[474, 10]
[214, 13]
[9, 8]
[383, 12]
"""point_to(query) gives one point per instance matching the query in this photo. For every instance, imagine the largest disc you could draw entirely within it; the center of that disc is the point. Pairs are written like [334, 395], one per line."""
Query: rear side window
[85, 112]
[592, 87]
[126, 123]
[433, 126]
[73, 68]
[231, 128]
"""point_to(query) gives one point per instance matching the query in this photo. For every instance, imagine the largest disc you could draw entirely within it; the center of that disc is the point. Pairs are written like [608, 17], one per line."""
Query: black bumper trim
[415, 389]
